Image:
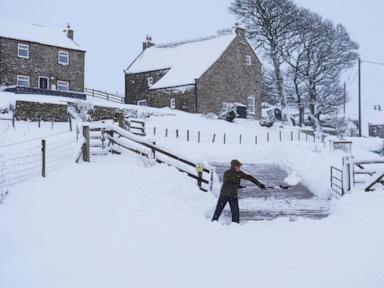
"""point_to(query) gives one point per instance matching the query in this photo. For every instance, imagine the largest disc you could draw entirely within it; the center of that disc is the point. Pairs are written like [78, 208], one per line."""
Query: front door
[43, 82]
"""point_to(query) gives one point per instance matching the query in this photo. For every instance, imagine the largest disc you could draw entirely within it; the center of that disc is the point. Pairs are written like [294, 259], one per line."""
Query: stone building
[376, 121]
[198, 75]
[39, 57]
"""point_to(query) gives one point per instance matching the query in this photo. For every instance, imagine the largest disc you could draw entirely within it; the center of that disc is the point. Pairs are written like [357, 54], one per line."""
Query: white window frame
[38, 84]
[248, 60]
[173, 103]
[21, 46]
[26, 78]
[142, 102]
[62, 53]
[62, 83]
[150, 81]
[252, 106]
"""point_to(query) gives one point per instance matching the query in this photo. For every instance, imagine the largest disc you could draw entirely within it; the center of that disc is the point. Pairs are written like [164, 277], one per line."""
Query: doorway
[43, 82]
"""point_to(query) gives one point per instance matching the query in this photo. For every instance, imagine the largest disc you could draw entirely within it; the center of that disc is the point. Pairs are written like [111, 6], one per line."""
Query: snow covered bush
[80, 110]
[228, 112]
[210, 116]
[344, 127]
[267, 121]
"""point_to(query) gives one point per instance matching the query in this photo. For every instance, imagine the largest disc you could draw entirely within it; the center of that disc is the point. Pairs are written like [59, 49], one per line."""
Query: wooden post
[240, 139]
[224, 138]
[39, 122]
[268, 137]
[255, 140]
[306, 137]
[187, 135]
[43, 153]
[70, 122]
[13, 121]
[77, 133]
[52, 124]
[291, 135]
[154, 131]
[298, 135]
[86, 150]
[213, 139]
[177, 133]
[198, 137]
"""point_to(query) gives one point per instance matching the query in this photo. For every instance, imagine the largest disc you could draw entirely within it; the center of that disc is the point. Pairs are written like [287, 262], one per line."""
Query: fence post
[166, 132]
[198, 137]
[177, 133]
[86, 150]
[224, 138]
[154, 131]
[291, 135]
[70, 122]
[298, 135]
[213, 139]
[43, 154]
[187, 135]
[280, 135]
[77, 133]
[240, 138]
[39, 121]
[268, 137]
[255, 140]
[52, 124]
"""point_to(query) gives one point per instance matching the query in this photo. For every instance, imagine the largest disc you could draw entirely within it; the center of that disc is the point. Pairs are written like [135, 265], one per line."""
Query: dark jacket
[231, 182]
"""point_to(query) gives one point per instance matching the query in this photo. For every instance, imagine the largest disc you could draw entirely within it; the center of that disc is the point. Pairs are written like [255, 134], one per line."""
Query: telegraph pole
[360, 124]
[345, 97]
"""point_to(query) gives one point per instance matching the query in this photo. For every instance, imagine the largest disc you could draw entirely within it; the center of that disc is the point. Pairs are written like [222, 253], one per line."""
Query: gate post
[43, 153]
[86, 145]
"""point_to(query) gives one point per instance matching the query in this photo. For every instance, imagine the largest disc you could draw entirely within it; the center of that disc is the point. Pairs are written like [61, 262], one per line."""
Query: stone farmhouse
[376, 121]
[40, 58]
[198, 76]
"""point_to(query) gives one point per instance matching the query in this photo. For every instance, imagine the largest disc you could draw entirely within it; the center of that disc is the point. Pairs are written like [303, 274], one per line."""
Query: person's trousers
[233, 203]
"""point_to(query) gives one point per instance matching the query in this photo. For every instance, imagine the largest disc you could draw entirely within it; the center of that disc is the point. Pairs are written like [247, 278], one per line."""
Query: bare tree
[268, 23]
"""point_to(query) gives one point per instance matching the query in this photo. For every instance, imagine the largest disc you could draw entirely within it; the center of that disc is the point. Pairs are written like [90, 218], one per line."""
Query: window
[62, 85]
[63, 57]
[251, 105]
[173, 103]
[43, 82]
[142, 102]
[22, 80]
[248, 60]
[23, 50]
[150, 81]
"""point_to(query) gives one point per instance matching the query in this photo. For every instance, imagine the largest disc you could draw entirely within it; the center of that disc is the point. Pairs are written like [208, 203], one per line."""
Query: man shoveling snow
[229, 191]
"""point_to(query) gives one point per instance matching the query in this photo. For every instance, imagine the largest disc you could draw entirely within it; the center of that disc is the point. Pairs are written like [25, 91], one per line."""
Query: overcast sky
[112, 31]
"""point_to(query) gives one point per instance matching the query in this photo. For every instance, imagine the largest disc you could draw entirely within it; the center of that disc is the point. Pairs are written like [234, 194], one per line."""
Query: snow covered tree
[228, 112]
[268, 25]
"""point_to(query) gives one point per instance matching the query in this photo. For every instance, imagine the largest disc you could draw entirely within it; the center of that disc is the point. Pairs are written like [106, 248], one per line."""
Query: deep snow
[115, 223]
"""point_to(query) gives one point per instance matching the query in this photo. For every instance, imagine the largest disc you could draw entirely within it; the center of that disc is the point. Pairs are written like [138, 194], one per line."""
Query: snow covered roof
[376, 118]
[36, 33]
[187, 60]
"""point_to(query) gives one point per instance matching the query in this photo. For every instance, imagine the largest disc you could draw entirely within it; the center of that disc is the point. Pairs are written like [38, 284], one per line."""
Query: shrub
[267, 121]
[228, 113]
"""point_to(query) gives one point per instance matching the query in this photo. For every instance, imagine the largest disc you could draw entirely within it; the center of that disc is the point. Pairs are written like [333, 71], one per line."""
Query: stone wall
[33, 111]
[103, 113]
[42, 61]
[231, 80]
[376, 130]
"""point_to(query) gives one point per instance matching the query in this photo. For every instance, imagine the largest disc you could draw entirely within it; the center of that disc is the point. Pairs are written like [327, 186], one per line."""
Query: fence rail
[119, 137]
[103, 95]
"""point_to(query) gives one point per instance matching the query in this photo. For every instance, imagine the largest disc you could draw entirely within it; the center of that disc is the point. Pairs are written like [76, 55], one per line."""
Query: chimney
[148, 42]
[69, 32]
[240, 30]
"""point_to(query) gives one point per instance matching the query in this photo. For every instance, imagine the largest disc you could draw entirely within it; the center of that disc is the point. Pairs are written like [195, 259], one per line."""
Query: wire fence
[19, 164]
[194, 136]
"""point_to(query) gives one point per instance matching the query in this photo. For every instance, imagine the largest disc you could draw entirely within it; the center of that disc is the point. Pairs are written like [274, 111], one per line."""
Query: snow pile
[185, 60]
[292, 179]
[36, 33]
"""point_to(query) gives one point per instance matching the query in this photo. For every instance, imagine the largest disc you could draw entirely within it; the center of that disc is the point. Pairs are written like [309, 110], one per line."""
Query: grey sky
[112, 31]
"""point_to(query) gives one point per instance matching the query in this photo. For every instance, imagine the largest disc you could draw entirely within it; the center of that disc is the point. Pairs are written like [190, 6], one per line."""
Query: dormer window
[64, 57]
[248, 60]
[23, 50]
[150, 81]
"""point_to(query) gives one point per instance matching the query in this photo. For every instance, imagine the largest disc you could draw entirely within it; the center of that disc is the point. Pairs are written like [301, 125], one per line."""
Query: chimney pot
[239, 29]
[69, 31]
[148, 42]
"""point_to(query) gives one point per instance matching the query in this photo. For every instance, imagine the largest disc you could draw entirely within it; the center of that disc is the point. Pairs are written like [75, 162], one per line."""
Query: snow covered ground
[111, 223]
[115, 222]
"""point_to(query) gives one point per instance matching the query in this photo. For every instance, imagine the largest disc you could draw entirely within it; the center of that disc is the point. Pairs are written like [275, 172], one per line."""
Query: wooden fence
[104, 95]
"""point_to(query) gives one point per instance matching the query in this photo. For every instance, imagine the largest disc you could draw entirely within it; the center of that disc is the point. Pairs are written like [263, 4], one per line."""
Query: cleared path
[268, 204]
